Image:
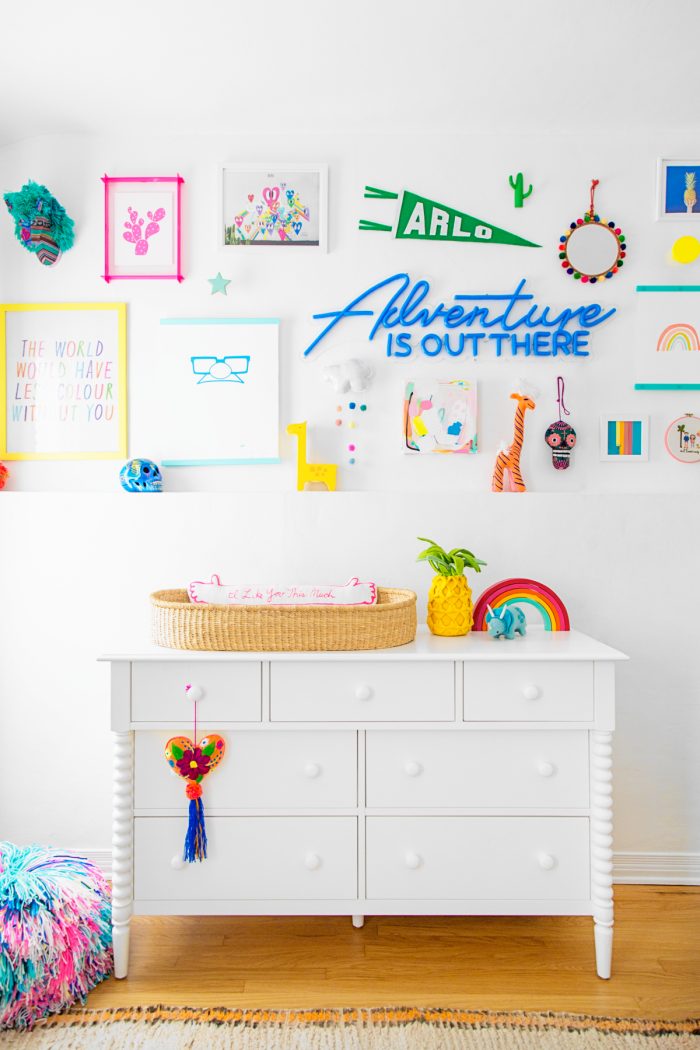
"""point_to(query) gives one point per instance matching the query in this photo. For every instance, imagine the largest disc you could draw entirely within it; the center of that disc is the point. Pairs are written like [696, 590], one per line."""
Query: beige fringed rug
[396, 1028]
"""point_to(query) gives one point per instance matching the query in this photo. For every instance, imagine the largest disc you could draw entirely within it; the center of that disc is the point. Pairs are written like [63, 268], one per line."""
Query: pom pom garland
[55, 932]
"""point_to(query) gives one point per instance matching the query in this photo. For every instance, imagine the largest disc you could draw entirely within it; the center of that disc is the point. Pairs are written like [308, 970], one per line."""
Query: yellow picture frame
[120, 452]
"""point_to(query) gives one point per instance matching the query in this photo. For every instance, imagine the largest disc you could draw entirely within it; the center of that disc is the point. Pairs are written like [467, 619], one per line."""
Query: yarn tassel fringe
[196, 838]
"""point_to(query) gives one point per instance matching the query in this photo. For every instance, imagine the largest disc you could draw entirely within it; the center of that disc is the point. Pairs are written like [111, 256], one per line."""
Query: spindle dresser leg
[601, 850]
[122, 849]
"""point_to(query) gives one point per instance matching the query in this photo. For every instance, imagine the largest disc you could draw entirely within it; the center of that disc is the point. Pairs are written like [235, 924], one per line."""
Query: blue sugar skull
[141, 475]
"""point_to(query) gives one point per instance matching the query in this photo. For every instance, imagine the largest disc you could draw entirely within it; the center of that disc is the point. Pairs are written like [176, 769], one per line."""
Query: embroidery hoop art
[692, 431]
[111, 183]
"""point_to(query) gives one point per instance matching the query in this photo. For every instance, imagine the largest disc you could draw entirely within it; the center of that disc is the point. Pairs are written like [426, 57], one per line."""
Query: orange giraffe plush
[506, 473]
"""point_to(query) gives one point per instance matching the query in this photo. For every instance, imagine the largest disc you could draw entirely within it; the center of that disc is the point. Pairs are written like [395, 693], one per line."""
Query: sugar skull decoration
[141, 475]
[41, 223]
[560, 436]
[193, 760]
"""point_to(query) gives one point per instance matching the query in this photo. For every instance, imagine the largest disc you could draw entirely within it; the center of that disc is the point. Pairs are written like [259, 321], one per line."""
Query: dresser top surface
[537, 644]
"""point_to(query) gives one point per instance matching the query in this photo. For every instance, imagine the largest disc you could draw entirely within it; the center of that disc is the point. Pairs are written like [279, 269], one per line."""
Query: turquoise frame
[667, 288]
[219, 462]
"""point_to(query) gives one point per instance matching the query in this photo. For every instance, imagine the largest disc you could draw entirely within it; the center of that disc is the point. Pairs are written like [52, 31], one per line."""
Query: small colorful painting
[624, 438]
[223, 391]
[142, 228]
[667, 345]
[281, 206]
[678, 192]
[682, 438]
[440, 416]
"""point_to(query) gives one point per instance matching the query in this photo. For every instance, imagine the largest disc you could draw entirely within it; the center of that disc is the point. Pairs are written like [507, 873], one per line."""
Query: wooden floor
[481, 963]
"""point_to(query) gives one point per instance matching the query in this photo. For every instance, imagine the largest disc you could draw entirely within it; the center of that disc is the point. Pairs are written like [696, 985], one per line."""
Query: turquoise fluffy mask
[41, 223]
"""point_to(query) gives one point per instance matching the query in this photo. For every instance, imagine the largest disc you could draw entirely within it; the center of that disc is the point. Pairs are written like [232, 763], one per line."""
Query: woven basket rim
[405, 597]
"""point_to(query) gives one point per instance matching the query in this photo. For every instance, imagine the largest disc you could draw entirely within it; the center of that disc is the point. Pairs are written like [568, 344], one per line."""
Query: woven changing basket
[181, 624]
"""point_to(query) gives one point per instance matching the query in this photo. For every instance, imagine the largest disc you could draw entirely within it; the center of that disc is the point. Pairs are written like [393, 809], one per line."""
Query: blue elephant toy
[506, 622]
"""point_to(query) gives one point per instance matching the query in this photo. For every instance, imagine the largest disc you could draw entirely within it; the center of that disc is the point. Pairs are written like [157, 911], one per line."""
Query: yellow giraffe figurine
[319, 472]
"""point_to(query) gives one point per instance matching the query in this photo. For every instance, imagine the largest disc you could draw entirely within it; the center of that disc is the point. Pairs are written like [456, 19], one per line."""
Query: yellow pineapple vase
[450, 609]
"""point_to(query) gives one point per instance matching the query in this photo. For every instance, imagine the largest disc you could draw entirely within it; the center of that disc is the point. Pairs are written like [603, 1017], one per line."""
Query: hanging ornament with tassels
[193, 761]
[561, 436]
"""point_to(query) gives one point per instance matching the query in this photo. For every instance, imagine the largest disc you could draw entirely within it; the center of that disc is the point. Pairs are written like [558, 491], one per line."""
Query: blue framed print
[678, 190]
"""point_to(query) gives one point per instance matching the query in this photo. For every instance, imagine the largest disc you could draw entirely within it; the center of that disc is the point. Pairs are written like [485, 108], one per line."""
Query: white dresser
[458, 776]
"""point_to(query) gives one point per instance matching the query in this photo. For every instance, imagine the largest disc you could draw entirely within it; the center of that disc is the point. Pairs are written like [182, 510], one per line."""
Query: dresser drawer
[232, 692]
[478, 858]
[260, 770]
[248, 858]
[528, 691]
[482, 769]
[362, 691]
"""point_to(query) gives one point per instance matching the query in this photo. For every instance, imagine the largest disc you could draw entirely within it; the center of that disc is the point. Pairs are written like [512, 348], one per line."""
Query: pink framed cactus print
[143, 228]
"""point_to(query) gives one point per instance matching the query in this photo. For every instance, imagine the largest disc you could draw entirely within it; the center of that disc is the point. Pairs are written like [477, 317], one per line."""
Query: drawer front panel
[231, 692]
[362, 691]
[481, 858]
[249, 858]
[508, 768]
[260, 770]
[528, 691]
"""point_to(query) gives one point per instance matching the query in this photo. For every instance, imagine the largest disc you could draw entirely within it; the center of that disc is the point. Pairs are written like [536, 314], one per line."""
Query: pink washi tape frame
[139, 272]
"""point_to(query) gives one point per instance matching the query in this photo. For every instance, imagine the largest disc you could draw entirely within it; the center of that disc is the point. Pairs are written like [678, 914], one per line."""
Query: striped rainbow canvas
[623, 438]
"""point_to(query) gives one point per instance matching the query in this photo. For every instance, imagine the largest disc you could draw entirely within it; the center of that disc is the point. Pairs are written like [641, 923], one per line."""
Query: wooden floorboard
[520, 963]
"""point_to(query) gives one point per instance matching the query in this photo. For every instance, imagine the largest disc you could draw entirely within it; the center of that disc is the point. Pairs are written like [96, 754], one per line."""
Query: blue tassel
[196, 837]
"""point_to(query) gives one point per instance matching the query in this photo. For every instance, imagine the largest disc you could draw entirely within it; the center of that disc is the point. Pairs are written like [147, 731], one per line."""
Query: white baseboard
[657, 869]
[652, 869]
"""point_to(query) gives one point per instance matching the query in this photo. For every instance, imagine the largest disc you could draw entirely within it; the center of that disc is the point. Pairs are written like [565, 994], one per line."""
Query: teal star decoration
[218, 284]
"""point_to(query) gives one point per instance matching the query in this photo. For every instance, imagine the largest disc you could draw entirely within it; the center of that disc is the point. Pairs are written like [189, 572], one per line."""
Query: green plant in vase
[450, 609]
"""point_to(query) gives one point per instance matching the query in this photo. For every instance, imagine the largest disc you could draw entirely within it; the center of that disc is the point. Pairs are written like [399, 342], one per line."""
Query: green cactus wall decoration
[517, 187]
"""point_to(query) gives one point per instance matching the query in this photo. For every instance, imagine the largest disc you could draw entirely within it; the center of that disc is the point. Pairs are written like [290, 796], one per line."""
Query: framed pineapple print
[678, 190]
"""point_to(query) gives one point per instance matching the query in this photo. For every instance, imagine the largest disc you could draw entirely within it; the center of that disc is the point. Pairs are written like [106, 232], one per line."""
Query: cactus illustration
[135, 232]
[517, 187]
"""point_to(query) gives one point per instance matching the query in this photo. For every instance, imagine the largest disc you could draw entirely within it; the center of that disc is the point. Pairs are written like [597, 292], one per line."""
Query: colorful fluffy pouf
[55, 932]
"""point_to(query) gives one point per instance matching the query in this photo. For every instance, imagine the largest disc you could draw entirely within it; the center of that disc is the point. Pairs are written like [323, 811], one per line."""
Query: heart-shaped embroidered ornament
[193, 762]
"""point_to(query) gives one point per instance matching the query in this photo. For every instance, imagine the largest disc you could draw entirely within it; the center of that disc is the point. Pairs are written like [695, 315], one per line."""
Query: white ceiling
[223, 66]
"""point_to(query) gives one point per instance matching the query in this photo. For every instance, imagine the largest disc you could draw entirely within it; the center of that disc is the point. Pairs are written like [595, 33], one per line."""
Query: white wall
[78, 557]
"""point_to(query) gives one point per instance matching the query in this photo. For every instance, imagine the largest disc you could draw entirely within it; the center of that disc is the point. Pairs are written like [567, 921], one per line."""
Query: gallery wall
[79, 556]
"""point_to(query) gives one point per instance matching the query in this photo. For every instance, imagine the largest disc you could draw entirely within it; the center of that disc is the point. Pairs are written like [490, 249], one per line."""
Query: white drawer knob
[312, 861]
[413, 860]
[177, 862]
[194, 692]
[363, 692]
[546, 769]
[413, 769]
[547, 861]
[531, 691]
[312, 770]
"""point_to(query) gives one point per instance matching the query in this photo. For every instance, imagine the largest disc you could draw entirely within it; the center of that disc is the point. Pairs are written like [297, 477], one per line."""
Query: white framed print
[678, 190]
[274, 206]
[222, 405]
[624, 439]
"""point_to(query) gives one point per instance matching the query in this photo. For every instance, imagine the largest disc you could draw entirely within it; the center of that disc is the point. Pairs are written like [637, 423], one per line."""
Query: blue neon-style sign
[541, 335]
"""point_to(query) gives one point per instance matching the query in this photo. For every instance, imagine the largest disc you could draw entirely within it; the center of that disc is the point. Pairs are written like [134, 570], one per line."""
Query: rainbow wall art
[678, 337]
[624, 438]
[667, 328]
[518, 592]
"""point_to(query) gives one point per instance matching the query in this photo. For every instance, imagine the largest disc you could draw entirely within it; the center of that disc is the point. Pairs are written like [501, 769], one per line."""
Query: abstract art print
[440, 416]
[678, 190]
[63, 381]
[275, 205]
[142, 228]
[222, 404]
[667, 337]
[624, 439]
